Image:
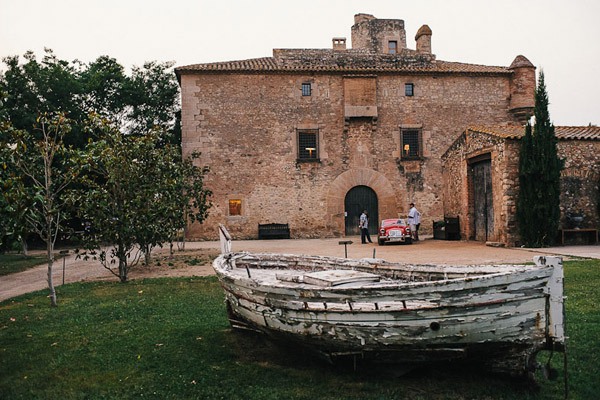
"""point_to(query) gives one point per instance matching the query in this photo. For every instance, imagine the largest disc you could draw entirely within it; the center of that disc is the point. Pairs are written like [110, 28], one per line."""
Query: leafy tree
[155, 100]
[175, 195]
[35, 88]
[49, 166]
[135, 191]
[14, 198]
[149, 98]
[105, 90]
[538, 206]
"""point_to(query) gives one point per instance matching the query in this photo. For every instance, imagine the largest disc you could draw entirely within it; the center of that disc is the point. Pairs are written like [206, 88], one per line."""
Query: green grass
[11, 263]
[169, 339]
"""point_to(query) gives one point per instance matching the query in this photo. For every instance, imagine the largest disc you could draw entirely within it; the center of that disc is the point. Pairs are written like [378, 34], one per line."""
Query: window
[306, 89]
[392, 47]
[409, 89]
[308, 145]
[411, 144]
[235, 207]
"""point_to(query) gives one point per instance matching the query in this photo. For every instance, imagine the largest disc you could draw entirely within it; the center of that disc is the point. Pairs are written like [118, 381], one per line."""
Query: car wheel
[381, 242]
[408, 241]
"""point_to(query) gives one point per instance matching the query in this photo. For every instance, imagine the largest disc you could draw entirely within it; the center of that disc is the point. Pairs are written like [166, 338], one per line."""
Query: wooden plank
[339, 277]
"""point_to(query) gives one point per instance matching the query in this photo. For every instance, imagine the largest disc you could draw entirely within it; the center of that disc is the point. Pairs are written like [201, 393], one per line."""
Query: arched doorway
[358, 199]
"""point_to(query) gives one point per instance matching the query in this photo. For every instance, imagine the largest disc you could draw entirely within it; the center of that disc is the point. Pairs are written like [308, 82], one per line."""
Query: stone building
[311, 137]
[481, 177]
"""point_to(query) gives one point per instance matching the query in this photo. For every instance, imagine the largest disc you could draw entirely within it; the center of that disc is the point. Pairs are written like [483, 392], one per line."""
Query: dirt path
[196, 259]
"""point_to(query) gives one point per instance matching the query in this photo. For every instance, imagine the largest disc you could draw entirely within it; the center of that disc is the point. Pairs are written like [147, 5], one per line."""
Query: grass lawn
[11, 263]
[169, 338]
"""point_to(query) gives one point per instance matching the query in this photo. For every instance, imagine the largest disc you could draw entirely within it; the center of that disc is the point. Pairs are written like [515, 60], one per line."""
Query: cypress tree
[538, 205]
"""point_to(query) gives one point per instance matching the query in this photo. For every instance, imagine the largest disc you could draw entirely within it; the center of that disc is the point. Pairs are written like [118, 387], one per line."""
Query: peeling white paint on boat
[500, 314]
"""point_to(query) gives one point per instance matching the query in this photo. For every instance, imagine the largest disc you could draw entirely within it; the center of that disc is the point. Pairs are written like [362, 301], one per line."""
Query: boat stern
[555, 310]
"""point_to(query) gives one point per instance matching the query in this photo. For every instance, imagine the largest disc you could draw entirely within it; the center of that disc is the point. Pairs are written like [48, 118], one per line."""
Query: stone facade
[579, 147]
[373, 117]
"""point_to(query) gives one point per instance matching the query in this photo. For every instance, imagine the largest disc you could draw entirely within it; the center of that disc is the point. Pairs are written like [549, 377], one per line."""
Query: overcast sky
[562, 37]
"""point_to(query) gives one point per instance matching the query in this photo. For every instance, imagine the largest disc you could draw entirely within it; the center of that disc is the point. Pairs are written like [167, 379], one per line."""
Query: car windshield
[388, 222]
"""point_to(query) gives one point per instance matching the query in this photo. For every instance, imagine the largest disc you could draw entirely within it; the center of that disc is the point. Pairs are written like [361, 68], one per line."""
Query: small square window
[306, 89]
[409, 89]
[308, 145]
[235, 207]
[392, 47]
[411, 144]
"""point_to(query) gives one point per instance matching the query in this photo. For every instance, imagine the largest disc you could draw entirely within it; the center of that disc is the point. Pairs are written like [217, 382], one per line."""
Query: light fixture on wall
[310, 151]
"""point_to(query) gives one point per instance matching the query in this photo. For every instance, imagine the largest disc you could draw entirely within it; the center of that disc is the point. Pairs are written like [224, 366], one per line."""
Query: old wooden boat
[498, 315]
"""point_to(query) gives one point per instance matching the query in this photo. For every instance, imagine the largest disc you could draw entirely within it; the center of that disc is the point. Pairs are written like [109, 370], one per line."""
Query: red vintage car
[394, 231]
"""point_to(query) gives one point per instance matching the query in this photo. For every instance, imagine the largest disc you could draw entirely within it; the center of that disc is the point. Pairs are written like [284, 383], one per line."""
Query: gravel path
[426, 251]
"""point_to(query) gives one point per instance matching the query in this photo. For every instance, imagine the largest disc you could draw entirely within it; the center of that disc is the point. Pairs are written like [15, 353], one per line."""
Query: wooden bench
[273, 231]
[589, 235]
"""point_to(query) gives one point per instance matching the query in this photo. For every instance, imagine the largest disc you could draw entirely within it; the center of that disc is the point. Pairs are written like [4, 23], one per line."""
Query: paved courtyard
[426, 251]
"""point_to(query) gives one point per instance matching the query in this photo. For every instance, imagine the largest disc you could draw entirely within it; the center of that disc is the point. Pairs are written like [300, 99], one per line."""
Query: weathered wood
[503, 314]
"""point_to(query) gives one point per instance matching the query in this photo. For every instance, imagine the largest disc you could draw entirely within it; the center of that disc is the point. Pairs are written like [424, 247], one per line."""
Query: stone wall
[373, 34]
[458, 190]
[579, 182]
[245, 125]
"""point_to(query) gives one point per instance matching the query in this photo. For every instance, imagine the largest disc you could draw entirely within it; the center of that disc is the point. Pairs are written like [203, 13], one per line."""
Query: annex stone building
[311, 137]
[481, 182]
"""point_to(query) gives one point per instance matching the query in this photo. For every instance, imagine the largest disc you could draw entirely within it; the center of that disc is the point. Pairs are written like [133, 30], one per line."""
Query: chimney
[339, 43]
[423, 39]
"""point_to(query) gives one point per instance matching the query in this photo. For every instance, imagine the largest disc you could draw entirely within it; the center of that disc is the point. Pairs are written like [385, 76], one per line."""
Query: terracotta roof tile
[561, 132]
[342, 61]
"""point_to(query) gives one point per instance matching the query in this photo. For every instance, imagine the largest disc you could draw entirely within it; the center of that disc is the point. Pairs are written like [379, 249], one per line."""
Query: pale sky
[559, 36]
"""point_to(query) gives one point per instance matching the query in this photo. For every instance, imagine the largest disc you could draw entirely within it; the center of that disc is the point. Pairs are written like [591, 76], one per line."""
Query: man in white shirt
[414, 221]
[363, 224]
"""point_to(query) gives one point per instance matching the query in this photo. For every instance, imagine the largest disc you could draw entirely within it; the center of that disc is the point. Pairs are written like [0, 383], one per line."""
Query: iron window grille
[308, 145]
[411, 144]
[409, 89]
[306, 89]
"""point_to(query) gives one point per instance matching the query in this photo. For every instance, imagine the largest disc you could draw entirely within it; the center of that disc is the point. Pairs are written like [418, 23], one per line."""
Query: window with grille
[392, 47]
[409, 89]
[411, 144]
[308, 145]
[306, 89]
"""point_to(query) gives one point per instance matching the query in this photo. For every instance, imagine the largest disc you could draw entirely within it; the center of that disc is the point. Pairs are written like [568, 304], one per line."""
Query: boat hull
[498, 315]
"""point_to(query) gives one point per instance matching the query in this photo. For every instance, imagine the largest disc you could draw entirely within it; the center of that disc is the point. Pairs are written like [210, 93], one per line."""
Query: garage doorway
[357, 199]
[483, 205]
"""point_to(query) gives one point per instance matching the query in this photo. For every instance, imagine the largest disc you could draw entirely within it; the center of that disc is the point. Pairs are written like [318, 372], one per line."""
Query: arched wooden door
[358, 199]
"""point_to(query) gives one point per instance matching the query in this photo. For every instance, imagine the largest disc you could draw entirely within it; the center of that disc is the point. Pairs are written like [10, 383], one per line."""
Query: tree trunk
[122, 256]
[50, 257]
[24, 247]
[148, 255]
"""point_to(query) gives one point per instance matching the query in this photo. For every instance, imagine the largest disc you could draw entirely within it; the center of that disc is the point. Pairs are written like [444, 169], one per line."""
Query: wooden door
[358, 199]
[483, 206]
